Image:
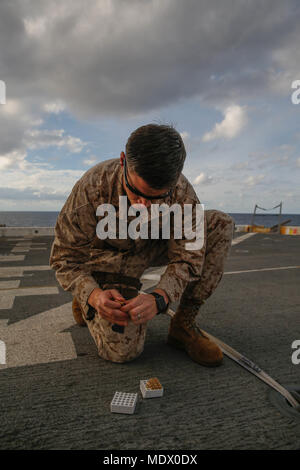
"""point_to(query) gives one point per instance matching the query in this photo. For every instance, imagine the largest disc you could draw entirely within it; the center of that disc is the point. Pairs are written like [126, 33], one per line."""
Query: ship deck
[55, 391]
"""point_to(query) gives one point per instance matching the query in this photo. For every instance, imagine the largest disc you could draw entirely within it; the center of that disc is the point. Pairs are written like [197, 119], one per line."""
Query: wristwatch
[90, 313]
[160, 302]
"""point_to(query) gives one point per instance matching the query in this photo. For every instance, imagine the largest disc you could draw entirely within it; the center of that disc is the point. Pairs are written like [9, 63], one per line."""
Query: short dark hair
[156, 153]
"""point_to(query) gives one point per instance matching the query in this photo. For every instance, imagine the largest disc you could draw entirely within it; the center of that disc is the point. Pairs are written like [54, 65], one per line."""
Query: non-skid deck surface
[55, 392]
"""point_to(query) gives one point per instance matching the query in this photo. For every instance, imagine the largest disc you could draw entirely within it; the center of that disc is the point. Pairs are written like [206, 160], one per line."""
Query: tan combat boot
[185, 334]
[77, 312]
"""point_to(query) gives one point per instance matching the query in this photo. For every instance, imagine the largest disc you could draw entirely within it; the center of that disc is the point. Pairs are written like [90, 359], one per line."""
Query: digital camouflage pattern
[113, 346]
[77, 253]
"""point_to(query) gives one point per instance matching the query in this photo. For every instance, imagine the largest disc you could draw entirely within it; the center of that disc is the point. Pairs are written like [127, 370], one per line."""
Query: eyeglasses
[138, 193]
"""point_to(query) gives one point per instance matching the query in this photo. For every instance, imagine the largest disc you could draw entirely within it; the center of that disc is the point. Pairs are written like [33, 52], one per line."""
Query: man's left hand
[141, 308]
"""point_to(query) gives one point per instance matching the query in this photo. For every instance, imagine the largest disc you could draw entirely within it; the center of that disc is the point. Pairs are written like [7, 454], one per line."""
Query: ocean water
[48, 219]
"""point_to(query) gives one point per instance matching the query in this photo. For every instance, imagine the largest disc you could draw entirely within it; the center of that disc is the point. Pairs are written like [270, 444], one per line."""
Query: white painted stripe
[30, 244]
[240, 239]
[20, 249]
[18, 271]
[5, 258]
[40, 338]
[11, 273]
[9, 284]
[262, 269]
[156, 277]
[38, 248]
[42, 267]
[6, 302]
[29, 291]
[16, 239]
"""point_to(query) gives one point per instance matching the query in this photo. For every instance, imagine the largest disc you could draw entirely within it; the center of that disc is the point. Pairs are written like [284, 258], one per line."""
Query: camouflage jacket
[77, 251]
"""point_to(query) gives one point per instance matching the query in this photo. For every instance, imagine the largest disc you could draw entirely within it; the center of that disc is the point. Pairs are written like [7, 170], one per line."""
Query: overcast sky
[81, 75]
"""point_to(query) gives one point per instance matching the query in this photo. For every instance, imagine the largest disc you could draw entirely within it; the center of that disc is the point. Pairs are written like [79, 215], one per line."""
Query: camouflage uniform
[83, 262]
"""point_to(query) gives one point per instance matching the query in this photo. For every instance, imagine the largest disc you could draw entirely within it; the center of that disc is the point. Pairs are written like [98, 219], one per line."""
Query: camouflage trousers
[123, 347]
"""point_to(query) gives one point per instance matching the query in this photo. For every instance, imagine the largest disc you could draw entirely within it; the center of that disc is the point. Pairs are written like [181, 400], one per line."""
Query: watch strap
[160, 302]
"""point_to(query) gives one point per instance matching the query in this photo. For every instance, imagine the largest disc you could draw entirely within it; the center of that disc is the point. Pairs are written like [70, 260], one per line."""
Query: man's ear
[122, 156]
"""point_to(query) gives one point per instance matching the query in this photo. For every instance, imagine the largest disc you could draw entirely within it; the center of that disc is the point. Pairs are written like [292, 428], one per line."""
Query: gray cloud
[31, 194]
[111, 57]
[120, 59]
[37, 139]
[12, 128]
[277, 157]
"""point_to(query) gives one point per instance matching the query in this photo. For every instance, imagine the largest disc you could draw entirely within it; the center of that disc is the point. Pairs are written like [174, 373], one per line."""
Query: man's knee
[119, 358]
[117, 347]
[120, 354]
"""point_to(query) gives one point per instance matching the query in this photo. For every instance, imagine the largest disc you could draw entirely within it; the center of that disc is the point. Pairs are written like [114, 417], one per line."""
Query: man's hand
[141, 308]
[108, 303]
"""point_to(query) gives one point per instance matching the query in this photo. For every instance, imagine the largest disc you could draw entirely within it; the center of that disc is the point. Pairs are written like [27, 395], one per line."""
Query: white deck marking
[20, 249]
[30, 291]
[153, 278]
[278, 268]
[5, 258]
[9, 284]
[240, 239]
[10, 289]
[25, 246]
[30, 243]
[7, 302]
[2, 352]
[16, 239]
[19, 270]
[34, 340]
[39, 339]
